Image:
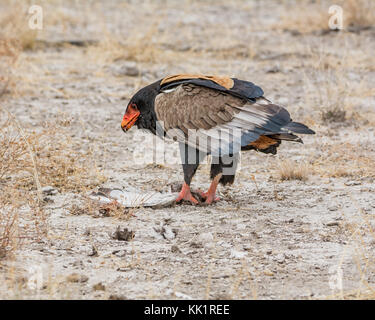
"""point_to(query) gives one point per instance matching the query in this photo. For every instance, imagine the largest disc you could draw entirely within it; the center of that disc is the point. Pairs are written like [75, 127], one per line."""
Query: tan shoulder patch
[263, 142]
[225, 82]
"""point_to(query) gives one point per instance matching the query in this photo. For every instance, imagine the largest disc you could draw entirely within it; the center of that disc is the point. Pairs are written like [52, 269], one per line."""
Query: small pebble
[49, 191]
[332, 224]
[206, 237]
[352, 183]
[75, 277]
[99, 287]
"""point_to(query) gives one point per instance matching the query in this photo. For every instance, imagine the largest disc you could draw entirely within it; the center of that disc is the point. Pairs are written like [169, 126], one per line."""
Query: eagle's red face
[131, 116]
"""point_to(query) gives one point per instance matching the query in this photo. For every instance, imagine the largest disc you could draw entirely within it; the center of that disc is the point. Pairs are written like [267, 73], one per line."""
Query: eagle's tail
[289, 130]
[297, 127]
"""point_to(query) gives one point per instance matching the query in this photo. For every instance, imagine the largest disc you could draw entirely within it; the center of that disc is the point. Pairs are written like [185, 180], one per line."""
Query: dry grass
[303, 17]
[60, 161]
[32, 159]
[138, 47]
[329, 90]
[344, 159]
[57, 161]
[22, 219]
[307, 16]
[15, 36]
[8, 226]
[159, 40]
[58, 164]
[14, 27]
[9, 52]
[292, 170]
[332, 98]
[358, 227]
[359, 13]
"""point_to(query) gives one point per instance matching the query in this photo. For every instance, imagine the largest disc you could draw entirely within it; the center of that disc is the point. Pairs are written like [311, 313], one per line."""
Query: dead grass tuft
[292, 170]
[334, 113]
[22, 219]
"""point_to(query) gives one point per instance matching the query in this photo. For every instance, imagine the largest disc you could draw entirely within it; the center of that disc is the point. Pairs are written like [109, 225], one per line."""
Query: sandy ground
[267, 238]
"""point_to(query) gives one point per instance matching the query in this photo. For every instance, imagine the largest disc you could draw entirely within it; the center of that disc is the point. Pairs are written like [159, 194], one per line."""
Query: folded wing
[218, 122]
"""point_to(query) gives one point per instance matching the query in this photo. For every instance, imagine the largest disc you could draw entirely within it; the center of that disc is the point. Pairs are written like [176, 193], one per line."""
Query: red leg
[185, 194]
[210, 194]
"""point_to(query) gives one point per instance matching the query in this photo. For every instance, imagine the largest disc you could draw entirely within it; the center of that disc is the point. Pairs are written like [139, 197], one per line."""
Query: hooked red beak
[130, 117]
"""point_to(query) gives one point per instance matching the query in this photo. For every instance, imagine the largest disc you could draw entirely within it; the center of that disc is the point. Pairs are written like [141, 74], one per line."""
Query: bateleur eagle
[211, 115]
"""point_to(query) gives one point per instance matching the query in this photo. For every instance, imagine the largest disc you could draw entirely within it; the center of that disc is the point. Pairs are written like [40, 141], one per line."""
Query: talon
[209, 198]
[185, 194]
